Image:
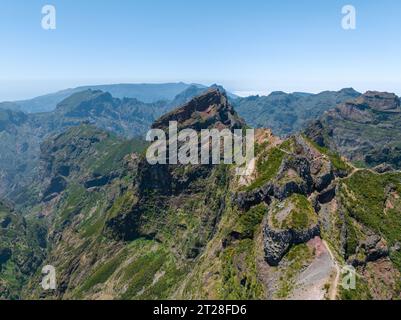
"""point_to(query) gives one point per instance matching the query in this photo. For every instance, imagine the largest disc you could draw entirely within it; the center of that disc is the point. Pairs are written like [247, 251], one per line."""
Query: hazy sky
[247, 46]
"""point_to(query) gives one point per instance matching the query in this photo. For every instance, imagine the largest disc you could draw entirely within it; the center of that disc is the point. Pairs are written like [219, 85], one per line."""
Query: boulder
[278, 242]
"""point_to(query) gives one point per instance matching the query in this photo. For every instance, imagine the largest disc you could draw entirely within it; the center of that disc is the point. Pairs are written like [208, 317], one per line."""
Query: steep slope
[84, 170]
[22, 245]
[286, 113]
[15, 146]
[365, 130]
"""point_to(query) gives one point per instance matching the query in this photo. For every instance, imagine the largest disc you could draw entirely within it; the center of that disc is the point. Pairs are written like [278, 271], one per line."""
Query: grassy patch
[168, 281]
[300, 217]
[334, 157]
[122, 205]
[114, 153]
[103, 273]
[267, 167]
[249, 222]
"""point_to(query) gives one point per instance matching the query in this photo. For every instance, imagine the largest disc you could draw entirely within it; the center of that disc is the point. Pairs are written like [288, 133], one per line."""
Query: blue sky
[247, 46]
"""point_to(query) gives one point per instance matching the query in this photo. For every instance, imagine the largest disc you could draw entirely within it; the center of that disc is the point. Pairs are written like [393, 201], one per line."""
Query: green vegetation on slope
[249, 222]
[22, 244]
[365, 195]
[298, 257]
[239, 278]
[334, 157]
[267, 166]
[301, 215]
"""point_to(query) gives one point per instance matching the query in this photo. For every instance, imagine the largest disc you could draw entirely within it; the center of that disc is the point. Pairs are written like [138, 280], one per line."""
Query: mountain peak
[350, 91]
[278, 94]
[84, 99]
[382, 101]
[209, 109]
[366, 129]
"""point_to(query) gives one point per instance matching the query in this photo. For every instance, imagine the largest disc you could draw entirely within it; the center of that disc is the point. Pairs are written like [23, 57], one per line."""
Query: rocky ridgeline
[303, 171]
[287, 114]
[305, 185]
[211, 109]
[365, 130]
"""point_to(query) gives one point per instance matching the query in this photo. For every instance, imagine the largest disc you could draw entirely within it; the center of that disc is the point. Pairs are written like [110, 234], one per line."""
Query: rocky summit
[208, 110]
[116, 227]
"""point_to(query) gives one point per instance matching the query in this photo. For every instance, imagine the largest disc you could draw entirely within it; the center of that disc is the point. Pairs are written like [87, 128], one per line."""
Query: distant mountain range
[125, 115]
[287, 114]
[284, 113]
[367, 130]
[148, 93]
[21, 134]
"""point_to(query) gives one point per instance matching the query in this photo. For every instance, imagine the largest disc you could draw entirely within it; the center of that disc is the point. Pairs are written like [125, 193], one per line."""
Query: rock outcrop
[371, 249]
[209, 110]
[292, 218]
[278, 242]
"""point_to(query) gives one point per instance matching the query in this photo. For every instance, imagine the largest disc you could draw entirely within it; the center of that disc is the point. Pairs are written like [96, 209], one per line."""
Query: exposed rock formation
[364, 130]
[277, 243]
[208, 110]
[372, 249]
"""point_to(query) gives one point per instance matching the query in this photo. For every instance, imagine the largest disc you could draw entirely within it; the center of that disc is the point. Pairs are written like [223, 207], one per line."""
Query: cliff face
[365, 130]
[211, 109]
